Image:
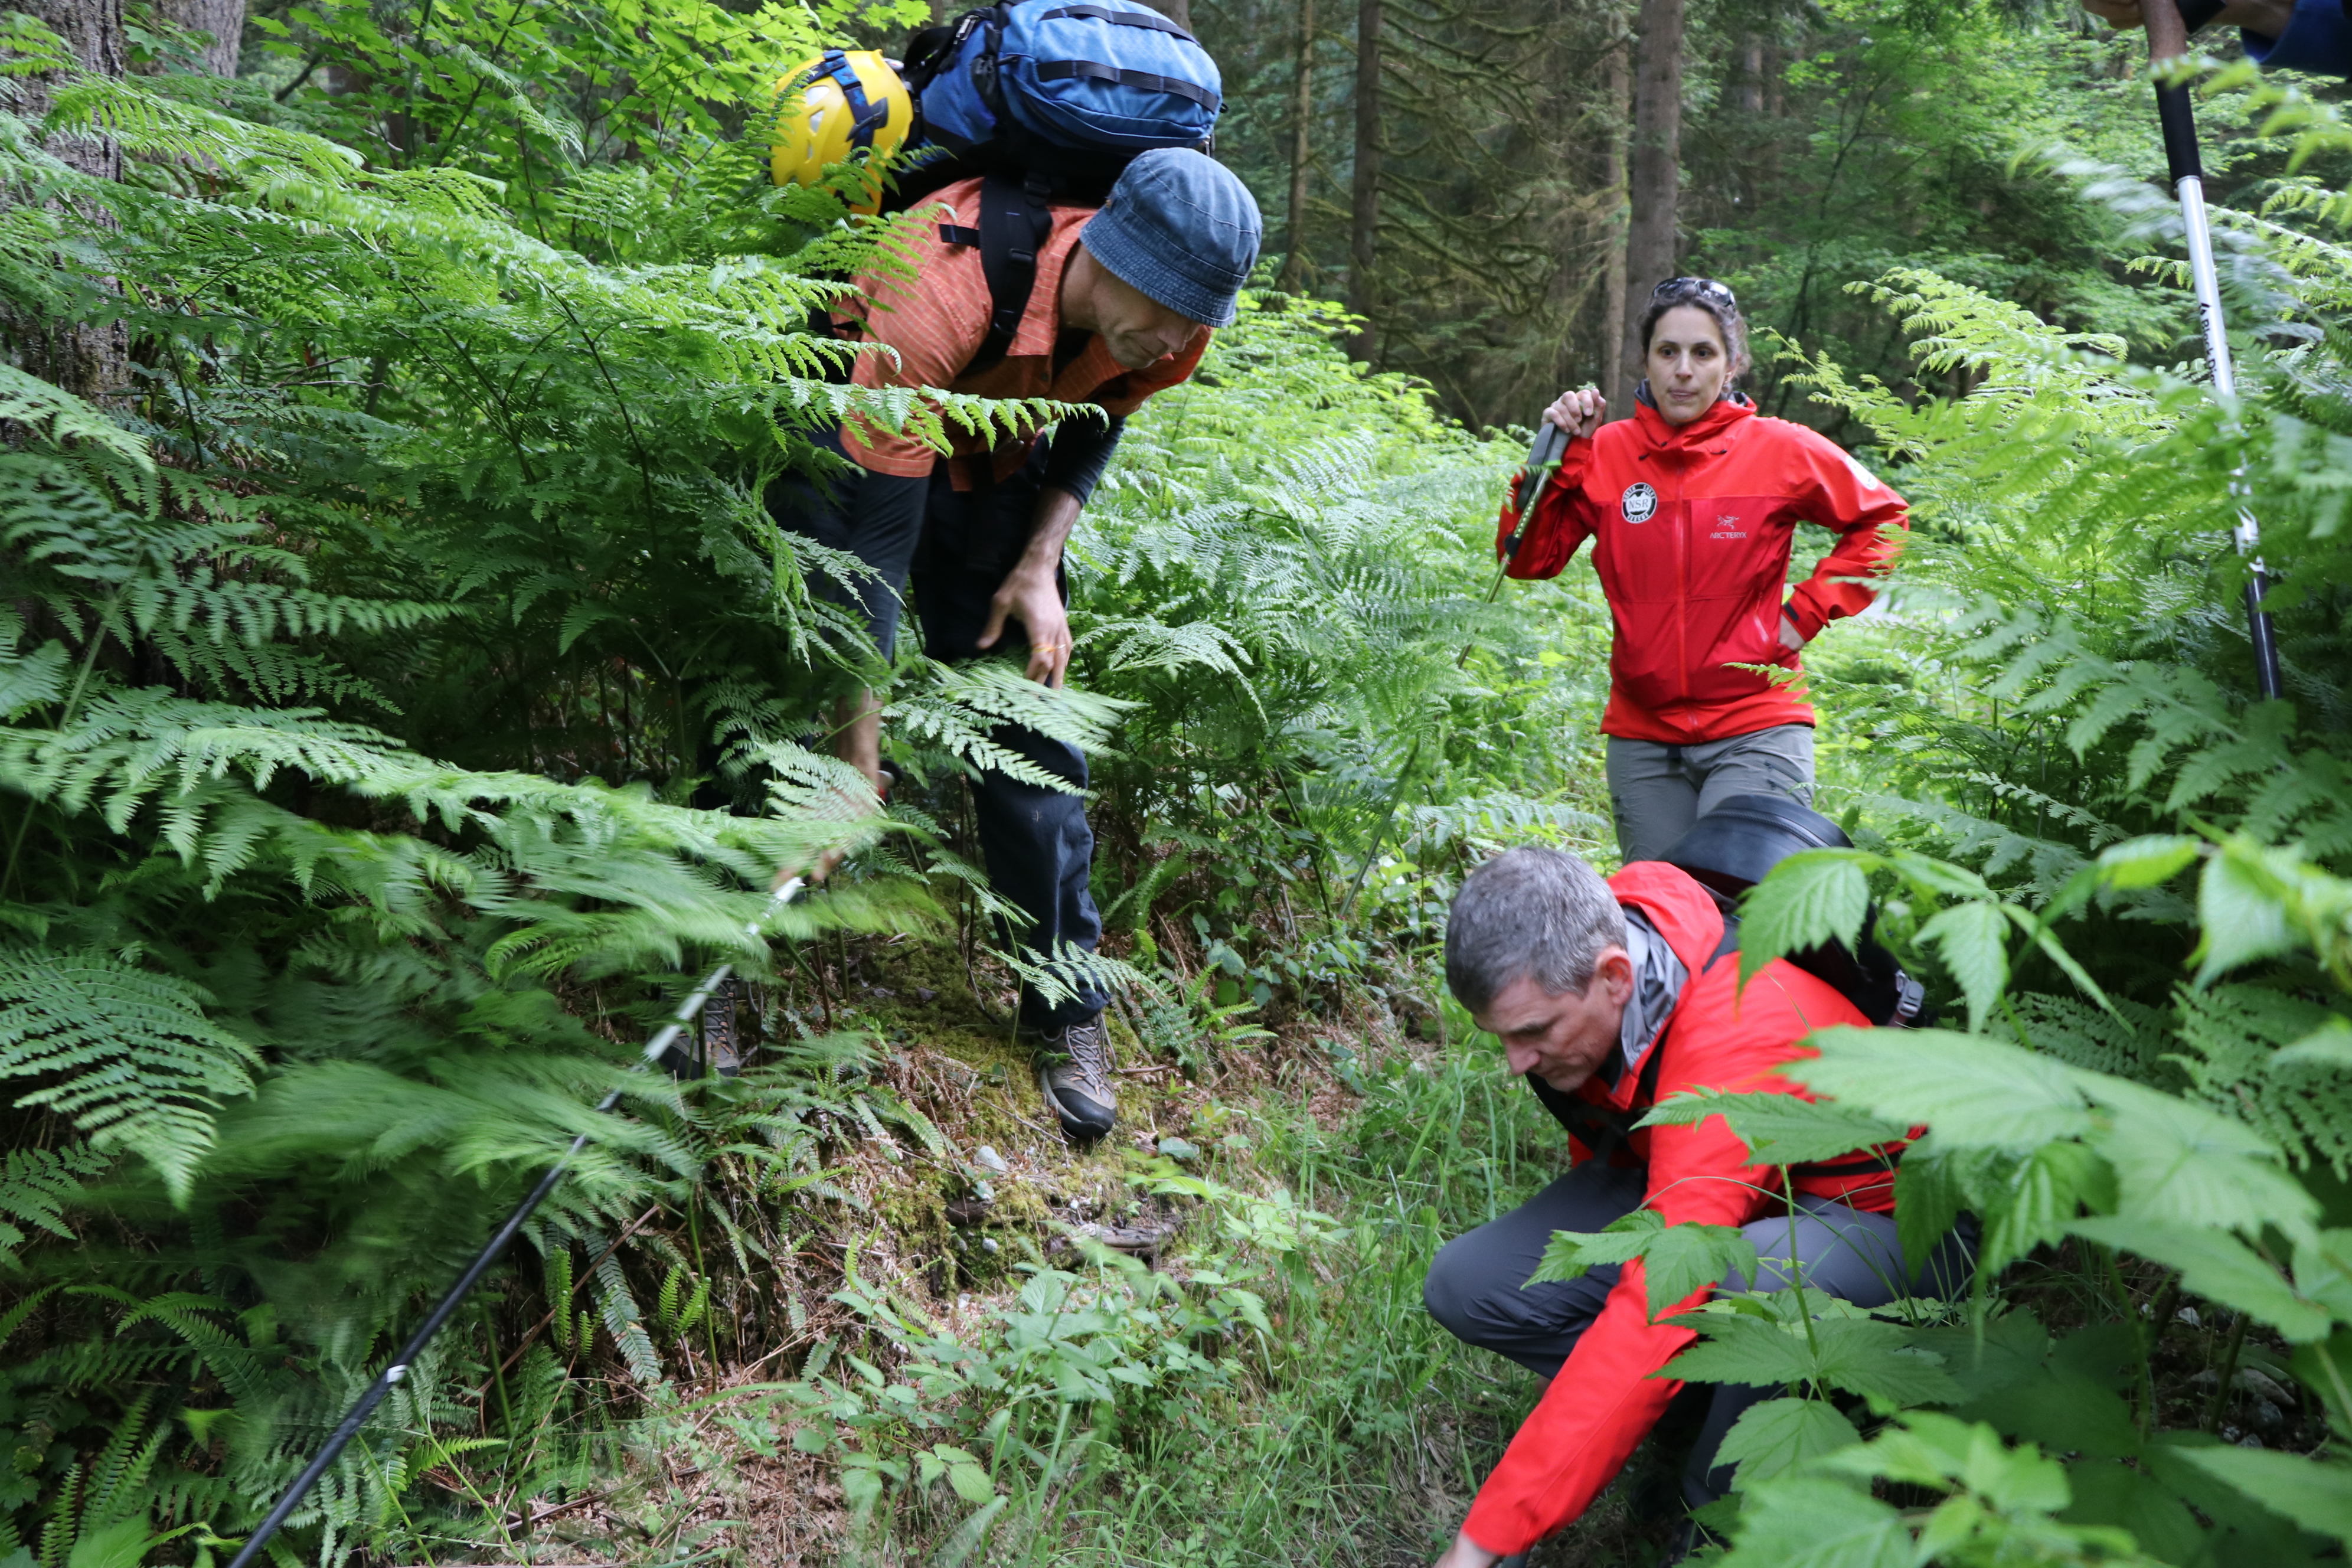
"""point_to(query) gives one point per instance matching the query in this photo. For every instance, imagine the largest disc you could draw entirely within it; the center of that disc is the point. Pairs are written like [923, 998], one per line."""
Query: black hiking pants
[1475, 1286]
[956, 553]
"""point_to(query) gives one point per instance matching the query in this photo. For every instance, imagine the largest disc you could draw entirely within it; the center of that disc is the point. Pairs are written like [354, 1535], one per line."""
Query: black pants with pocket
[1477, 1285]
[1035, 841]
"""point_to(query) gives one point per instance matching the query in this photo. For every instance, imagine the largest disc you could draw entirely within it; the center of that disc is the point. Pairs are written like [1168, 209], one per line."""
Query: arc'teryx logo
[1640, 503]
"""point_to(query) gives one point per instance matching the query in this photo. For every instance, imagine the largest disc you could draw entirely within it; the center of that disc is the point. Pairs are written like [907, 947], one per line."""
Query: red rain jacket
[1604, 1401]
[1692, 527]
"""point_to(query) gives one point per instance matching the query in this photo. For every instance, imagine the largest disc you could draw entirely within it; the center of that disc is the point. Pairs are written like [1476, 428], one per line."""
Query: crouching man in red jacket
[1610, 996]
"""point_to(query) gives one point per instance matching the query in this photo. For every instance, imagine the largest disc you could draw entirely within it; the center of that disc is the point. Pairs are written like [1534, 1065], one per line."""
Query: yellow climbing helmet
[849, 99]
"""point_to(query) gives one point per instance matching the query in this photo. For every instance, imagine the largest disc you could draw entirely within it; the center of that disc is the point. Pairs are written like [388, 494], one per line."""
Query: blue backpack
[1047, 100]
[1058, 95]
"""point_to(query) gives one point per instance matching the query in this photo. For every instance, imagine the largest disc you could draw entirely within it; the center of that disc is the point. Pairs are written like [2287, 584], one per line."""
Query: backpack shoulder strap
[1014, 220]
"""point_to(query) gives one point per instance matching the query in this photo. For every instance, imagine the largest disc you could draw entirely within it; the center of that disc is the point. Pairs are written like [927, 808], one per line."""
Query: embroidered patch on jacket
[1640, 503]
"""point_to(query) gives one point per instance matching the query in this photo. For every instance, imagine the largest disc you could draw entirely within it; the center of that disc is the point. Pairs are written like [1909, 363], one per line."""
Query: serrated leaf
[1570, 1254]
[1676, 1259]
[971, 1483]
[2038, 1198]
[1814, 897]
[2217, 1266]
[1975, 1091]
[2314, 1496]
[2147, 861]
[2239, 914]
[2181, 1164]
[1780, 1434]
[1779, 1128]
[1861, 1356]
[1972, 939]
[1798, 1523]
[2329, 1046]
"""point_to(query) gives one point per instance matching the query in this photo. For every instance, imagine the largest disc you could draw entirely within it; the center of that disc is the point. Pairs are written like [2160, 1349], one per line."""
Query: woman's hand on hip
[1579, 413]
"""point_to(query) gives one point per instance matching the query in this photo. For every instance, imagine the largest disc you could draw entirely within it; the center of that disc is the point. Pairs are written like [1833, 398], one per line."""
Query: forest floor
[1309, 1118]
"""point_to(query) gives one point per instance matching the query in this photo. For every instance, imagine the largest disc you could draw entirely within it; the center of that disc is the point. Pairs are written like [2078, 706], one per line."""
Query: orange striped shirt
[937, 323]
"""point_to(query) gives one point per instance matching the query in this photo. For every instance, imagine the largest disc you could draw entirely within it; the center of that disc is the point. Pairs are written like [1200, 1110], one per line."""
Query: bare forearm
[1057, 513]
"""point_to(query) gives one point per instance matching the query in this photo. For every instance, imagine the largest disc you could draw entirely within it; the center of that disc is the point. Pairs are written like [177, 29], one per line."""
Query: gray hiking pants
[1657, 791]
[1477, 1286]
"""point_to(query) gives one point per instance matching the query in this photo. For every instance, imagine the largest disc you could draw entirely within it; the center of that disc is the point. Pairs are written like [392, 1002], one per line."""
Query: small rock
[991, 1159]
[2189, 1315]
[988, 1244]
[2268, 1416]
[2228, 1434]
[2249, 1441]
[1178, 1149]
[2263, 1386]
[924, 992]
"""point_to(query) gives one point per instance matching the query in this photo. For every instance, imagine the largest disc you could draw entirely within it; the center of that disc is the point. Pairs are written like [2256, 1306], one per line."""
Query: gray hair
[1529, 912]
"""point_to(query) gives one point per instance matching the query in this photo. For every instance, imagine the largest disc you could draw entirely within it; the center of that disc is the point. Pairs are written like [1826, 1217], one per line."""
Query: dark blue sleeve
[2318, 40]
[1081, 450]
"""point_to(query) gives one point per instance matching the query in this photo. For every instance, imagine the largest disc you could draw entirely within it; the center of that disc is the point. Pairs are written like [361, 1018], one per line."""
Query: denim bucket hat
[1181, 227]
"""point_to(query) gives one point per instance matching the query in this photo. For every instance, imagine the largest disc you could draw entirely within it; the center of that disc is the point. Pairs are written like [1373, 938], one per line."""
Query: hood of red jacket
[1683, 912]
[1656, 433]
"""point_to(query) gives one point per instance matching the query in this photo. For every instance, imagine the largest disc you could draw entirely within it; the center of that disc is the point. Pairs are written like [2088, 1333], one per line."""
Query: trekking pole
[439, 1317]
[2167, 40]
[1543, 457]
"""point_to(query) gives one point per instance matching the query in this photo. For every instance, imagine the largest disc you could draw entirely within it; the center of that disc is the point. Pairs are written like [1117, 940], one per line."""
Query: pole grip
[2167, 40]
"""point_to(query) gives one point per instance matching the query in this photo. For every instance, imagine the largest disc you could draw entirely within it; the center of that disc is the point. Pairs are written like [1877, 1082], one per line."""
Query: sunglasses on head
[1694, 288]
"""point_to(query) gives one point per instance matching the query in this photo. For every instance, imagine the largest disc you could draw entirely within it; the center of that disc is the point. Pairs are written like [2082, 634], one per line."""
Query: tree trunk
[1608, 369]
[1302, 111]
[1363, 296]
[1177, 11]
[223, 20]
[88, 360]
[1657, 165]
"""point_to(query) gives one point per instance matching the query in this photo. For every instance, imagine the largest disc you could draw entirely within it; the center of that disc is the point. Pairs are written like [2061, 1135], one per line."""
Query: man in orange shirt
[1119, 304]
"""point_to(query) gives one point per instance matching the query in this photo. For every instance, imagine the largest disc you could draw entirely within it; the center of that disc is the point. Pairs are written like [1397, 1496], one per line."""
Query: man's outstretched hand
[1032, 593]
[1032, 596]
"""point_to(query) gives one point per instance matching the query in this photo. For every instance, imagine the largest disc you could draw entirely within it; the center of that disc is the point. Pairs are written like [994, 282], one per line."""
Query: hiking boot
[1074, 1069]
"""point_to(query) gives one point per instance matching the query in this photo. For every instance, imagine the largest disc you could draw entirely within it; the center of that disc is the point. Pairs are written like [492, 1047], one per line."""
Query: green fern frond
[128, 1056]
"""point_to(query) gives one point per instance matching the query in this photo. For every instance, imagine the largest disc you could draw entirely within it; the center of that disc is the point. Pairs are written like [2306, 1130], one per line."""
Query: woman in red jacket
[1692, 506]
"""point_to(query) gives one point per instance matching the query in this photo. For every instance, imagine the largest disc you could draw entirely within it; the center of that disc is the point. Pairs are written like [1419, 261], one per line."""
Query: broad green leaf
[2329, 1046]
[1686, 1257]
[2039, 1198]
[2180, 1162]
[1931, 1449]
[1972, 939]
[1976, 1092]
[1779, 1128]
[1814, 897]
[1676, 1259]
[1800, 1522]
[2239, 913]
[2063, 1412]
[1861, 1356]
[2217, 1266]
[122, 1544]
[1929, 1198]
[2315, 1494]
[971, 1483]
[2110, 1493]
[1781, 1433]
[2323, 1273]
[1570, 1253]
[2147, 861]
